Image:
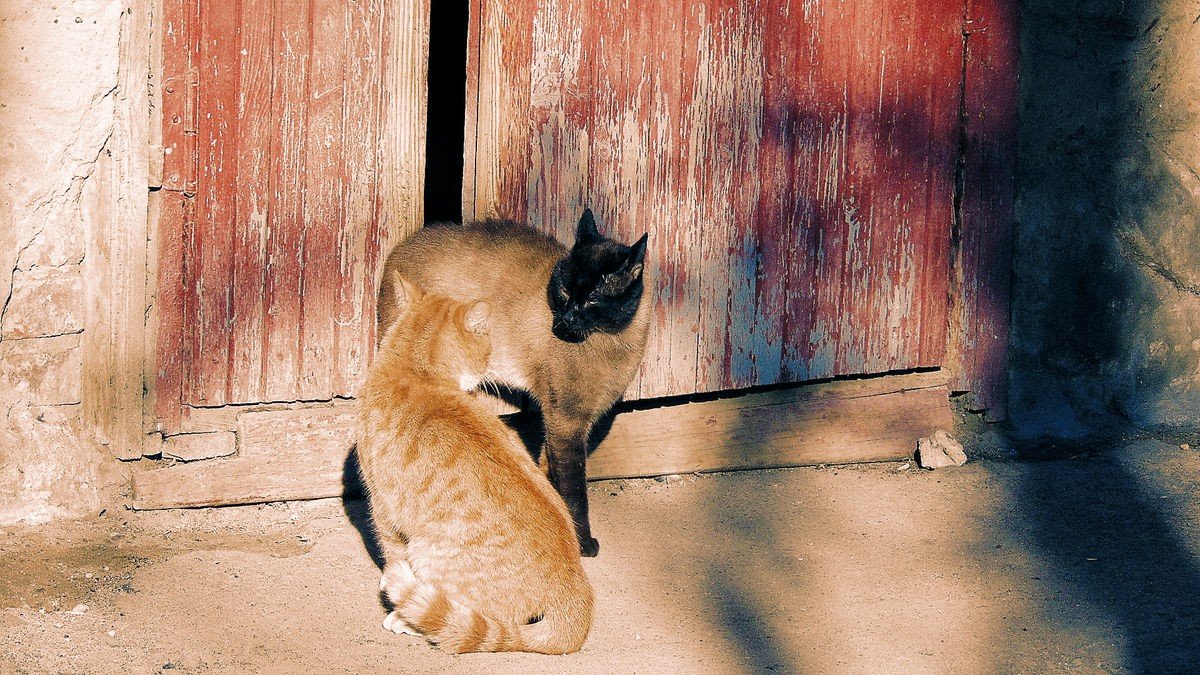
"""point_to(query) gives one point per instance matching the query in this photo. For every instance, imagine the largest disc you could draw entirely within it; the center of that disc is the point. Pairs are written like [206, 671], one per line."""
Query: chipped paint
[797, 184]
[305, 172]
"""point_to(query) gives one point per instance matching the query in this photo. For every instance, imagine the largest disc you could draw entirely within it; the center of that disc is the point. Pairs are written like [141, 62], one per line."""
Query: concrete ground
[1080, 562]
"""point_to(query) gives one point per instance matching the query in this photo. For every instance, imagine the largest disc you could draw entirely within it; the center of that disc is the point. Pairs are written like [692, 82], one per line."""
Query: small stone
[112, 633]
[940, 450]
[78, 609]
[1184, 446]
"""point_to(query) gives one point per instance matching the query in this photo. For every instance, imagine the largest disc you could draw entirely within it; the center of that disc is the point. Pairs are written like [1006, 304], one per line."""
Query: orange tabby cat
[480, 550]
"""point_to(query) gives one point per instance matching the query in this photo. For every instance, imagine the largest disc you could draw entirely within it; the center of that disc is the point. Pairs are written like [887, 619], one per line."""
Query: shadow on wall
[1106, 296]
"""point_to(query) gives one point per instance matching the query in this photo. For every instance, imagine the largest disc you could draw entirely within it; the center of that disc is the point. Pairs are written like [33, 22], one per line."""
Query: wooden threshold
[302, 454]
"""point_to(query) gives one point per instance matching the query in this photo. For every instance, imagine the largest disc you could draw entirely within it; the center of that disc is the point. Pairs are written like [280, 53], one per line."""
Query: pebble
[78, 609]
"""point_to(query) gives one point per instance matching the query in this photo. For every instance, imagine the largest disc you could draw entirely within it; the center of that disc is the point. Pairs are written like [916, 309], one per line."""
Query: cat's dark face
[597, 287]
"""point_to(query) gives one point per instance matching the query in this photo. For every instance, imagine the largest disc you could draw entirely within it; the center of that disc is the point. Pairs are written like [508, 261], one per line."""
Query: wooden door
[293, 138]
[794, 162]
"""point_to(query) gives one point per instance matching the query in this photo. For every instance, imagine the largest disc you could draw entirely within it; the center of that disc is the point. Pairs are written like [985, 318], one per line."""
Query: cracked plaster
[58, 74]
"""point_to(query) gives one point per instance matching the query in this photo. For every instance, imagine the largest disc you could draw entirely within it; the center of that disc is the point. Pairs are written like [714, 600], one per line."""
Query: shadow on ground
[1115, 556]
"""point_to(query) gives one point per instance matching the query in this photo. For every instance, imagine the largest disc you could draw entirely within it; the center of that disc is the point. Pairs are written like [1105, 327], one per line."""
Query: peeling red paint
[794, 163]
[267, 264]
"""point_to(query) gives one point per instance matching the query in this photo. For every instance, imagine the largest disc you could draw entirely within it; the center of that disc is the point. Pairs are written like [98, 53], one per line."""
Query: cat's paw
[397, 625]
[589, 547]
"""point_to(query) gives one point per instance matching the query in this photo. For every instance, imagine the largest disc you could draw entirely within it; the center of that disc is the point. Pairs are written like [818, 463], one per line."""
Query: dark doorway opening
[446, 110]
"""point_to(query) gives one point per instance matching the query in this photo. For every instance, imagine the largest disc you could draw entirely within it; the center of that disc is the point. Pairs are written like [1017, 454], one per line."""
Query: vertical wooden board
[989, 160]
[939, 80]
[796, 117]
[880, 191]
[471, 113]
[289, 94]
[560, 93]
[354, 315]
[253, 199]
[177, 215]
[728, 100]
[870, 234]
[655, 135]
[614, 156]
[208, 251]
[178, 129]
[404, 93]
[175, 211]
[785, 277]
[503, 128]
[324, 187]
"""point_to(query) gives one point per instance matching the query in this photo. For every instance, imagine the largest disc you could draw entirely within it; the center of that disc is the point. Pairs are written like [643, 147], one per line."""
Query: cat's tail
[428, 611]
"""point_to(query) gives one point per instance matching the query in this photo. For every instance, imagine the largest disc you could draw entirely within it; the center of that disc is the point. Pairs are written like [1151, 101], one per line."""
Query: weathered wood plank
[354, 315]
[289, 95]
[300, 454]
[405, 95]
[560, 103]
[252, 197]
[727, 104]
[193, 447]
[823, 425]
[984, 256]
[175, 212]
[652, 105]
[501, 114]
[207, 259]
[117, 252]
[300, 432]
[180, 34]
[471, 113]
[324, 188]
[237, 481]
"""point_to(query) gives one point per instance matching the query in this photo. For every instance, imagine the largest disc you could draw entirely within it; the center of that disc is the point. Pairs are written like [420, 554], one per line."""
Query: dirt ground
[1082, 561]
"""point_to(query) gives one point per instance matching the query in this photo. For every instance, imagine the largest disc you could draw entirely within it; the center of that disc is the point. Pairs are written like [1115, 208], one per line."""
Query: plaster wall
[1106, 302]
[58, 75]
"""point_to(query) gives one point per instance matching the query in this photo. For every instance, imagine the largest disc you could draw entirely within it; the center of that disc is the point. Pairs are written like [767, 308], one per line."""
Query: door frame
[119, 342]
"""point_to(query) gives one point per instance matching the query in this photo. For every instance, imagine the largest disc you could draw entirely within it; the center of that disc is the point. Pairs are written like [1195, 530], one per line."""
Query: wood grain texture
[405, 95]
[794, 163]
[834, 423]
[984, 262]
[358, 248]
[286, 226]
[210, 239]
[238, 481]
[176, 210]
[310, 120]
[301, 454]
[117, 254]
[252, 198]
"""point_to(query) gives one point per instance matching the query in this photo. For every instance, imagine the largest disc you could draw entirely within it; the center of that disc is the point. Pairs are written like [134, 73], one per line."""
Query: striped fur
[477, 543]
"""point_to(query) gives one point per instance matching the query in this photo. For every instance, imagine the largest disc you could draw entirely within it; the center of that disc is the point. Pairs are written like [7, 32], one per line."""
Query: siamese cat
[568, 326]
[480, 552]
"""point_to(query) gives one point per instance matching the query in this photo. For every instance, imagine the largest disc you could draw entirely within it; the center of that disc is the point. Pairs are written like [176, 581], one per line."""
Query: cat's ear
[586, 232]
[406, 292]
[476, 318]
[637, 257]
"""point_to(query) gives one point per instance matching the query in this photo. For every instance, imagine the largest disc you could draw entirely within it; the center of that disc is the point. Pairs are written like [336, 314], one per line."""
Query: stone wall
[1106, 303]
[58, 68]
